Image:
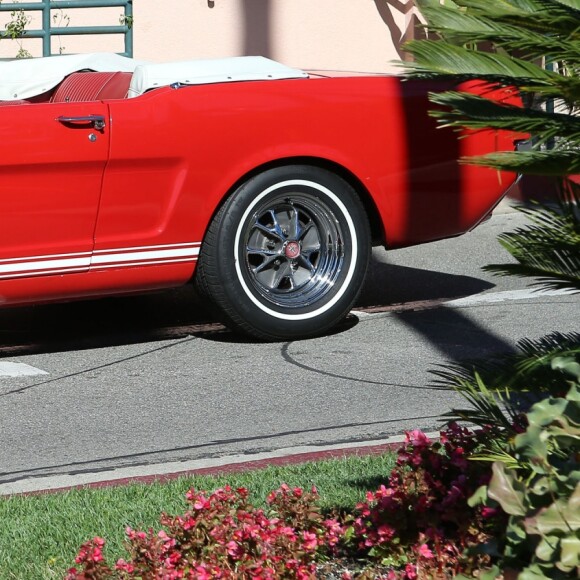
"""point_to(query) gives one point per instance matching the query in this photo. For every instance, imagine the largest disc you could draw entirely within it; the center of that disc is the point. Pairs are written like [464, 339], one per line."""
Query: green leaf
[533, 572]
[570, 554]
[542, 486]
[515, 533]
[479, 497]
[567, 364]
[562, 516]
[574, 394]
[490, 574]
[545, 412]
[547, 548]
[507, 491]
[531, 444]
[556, 162]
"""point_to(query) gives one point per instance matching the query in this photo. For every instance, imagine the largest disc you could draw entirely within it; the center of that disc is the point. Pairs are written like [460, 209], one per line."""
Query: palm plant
[534, 46]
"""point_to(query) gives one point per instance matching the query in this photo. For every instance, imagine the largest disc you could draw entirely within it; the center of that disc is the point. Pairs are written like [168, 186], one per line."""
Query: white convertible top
[201, 72]
[24, 78]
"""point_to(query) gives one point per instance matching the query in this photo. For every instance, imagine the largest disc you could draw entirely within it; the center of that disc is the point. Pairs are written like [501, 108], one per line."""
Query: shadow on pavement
[391, 284]
[181, 312]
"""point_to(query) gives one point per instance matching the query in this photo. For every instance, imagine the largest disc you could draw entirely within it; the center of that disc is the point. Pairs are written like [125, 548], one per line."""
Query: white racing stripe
[82, 261]
[60, 264]
[136, 257]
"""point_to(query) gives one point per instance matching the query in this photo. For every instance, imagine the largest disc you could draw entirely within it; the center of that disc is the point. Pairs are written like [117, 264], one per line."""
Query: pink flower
[233, 549]
[417, 438]
[425, 551]
[310, 540]
[489, 512]
[303, 573]
[202, 573]
[124, 566]
[411, 571]
[383, 492]
[201, 503]
[385, 532]
[188, 523]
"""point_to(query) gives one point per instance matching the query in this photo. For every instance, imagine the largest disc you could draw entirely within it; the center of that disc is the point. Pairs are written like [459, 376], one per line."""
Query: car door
[51, 166]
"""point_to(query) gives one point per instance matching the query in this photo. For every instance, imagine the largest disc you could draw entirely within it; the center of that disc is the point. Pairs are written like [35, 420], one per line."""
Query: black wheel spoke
[281, 273]
[304, 262]
[296, 227]
[268, 260]
[305, 230]
[273, 229]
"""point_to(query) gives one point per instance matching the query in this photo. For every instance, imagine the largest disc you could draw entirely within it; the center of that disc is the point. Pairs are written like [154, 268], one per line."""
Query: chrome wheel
[294, 250]
[286, 255]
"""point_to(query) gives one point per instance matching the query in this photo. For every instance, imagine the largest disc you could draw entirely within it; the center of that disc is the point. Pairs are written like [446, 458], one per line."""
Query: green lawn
[40, 535]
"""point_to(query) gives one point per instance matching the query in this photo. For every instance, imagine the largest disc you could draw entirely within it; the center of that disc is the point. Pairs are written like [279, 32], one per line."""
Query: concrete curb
[213, 466]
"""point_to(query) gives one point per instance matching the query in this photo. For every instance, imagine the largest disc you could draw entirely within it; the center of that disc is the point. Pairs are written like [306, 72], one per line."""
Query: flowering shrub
[420, 520]
[223, 536]
[417, 525]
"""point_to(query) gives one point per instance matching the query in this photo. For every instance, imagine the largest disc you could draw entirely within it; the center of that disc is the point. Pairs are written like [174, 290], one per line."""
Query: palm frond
[528, 369]
[542, 16]
[558, 8]
[555, 162]
[475, 112]
[574, 4]
[461, 27]
[549, 248]
[438, 59]
[570, 7]
[544, 277]
[488, 407]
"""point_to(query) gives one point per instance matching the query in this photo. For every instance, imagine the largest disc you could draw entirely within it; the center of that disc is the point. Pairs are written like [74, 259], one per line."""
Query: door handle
[96, 121]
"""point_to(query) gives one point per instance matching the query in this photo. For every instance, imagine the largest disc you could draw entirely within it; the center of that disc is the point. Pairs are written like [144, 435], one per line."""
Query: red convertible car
[264, 185]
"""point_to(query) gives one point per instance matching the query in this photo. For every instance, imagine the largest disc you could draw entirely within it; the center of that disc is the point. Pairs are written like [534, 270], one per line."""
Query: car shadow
[182, 312]
[388, 284]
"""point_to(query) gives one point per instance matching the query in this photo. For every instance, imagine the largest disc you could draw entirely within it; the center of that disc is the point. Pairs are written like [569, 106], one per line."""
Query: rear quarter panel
[176, 153]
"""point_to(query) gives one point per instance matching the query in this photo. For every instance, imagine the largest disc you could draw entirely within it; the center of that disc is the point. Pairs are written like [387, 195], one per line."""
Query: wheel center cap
[292, 250]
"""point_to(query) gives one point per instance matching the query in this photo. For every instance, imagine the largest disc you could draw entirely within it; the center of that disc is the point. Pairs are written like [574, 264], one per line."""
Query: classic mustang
[265, 185]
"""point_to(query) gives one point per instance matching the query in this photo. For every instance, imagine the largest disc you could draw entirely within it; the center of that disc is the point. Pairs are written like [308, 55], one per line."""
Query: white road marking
[505, 296]
[468, 301]
[12, 369]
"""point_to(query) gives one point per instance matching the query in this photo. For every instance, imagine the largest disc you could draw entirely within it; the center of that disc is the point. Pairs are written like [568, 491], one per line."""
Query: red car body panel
[86, 212]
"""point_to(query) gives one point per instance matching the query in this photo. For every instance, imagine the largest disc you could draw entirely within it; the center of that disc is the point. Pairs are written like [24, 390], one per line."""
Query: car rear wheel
[286, 255]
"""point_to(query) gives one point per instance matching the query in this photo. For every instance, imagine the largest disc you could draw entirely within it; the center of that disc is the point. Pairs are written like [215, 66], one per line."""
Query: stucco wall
[345, 34]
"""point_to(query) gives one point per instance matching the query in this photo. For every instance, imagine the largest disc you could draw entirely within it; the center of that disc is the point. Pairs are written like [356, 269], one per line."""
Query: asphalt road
[140, 381]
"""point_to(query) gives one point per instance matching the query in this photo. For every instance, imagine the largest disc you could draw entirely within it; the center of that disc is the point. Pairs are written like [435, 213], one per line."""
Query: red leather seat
[92, 86]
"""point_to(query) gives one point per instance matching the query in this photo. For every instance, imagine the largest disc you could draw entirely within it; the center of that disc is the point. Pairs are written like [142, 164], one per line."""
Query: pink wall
[344, 34]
